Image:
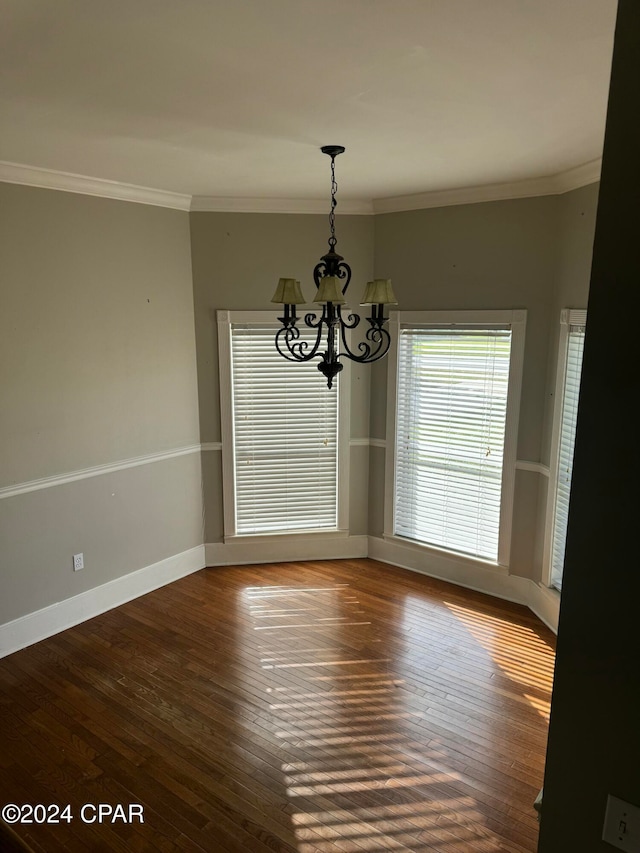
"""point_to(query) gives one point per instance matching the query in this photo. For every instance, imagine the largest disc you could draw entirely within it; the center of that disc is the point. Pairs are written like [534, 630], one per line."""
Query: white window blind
[450, 433]
[571, 393]
[285, 429]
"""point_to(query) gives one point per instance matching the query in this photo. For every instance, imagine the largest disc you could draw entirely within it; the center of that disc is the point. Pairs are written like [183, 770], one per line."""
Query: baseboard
[471, 575]
[65, 614]
[285, 549]
[545, 603]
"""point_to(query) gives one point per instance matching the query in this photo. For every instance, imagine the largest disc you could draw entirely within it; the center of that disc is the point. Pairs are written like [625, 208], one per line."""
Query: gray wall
[97, 366]
[575, 231]
[237, 261]
[494, 255]
[108, 341]
[530, 253]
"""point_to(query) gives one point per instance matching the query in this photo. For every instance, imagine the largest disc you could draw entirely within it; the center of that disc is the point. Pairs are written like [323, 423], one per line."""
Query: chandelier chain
[332, 215]
[332, 275]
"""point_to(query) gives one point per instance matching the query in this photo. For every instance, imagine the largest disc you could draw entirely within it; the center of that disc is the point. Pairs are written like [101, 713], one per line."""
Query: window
[456, 405]
[567, 393]
[281, 434]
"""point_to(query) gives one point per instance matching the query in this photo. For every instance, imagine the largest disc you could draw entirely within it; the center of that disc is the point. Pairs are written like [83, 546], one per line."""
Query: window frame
[516, 319]
[568, 317]
[225, 320]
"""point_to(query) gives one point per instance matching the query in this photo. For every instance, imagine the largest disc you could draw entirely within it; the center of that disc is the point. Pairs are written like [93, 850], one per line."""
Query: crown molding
[465, 195]
[31, 176]
[222, 204]
[580, 176]
[563, 182]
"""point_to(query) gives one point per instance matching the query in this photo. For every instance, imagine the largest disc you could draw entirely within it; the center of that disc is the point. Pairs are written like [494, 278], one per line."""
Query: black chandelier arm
[343, 270]
[351, 322]
[290, 346]
[376, 346]
[313, 321]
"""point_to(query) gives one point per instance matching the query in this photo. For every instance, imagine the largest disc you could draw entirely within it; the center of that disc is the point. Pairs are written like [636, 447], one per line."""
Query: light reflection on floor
[511, 647]
[365, 772]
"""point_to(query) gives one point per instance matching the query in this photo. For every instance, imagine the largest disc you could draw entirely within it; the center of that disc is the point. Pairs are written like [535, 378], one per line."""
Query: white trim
[225, 320]
[34, 176]
[226, 421]
[278, 538]
[464, 571]
[580, 176]
[367, 442]
[516, 369]
[545, 603]
[343, 472]
[214, 204]
[536, 467]
[211, 445]
[466, 195]
[455, 317]
[568, 317]
[285, 549]
[51, 179]
[33, 627]
[65, 614]
[96, 471]
[470, 574]
[392, 394]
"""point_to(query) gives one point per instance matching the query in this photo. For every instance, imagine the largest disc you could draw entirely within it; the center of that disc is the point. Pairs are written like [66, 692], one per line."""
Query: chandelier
[332, 276]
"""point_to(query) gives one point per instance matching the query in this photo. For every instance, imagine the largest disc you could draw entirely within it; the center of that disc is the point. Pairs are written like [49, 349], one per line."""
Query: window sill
[283, 536]
[443, 553]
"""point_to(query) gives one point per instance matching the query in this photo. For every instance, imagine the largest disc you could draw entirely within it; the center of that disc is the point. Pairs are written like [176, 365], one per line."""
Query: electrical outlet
[622, 825]
[78, 562]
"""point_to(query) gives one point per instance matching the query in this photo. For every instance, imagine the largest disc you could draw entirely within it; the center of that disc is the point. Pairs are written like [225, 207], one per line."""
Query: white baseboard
[65, 614]
[57, 617]
[285, 549]
[545, 603]
[471, 575]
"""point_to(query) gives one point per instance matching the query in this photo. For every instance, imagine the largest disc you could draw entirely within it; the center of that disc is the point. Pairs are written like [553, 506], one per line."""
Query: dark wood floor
[342, 705]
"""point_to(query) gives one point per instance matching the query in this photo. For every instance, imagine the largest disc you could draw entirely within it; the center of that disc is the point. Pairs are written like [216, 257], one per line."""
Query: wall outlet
[622, 825]
[78, 562]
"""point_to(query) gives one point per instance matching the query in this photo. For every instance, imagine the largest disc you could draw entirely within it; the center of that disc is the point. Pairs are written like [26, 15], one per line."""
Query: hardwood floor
[341, 705]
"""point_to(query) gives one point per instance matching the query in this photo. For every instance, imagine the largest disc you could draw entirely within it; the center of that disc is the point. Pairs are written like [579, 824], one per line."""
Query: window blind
[285, 430]
[571, 393]
[450, 431]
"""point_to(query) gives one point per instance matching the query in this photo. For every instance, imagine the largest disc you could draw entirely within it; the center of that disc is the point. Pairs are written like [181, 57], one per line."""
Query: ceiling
[233, 98]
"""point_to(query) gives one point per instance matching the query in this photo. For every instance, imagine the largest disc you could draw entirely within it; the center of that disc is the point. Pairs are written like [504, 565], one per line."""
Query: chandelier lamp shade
[332, 276]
